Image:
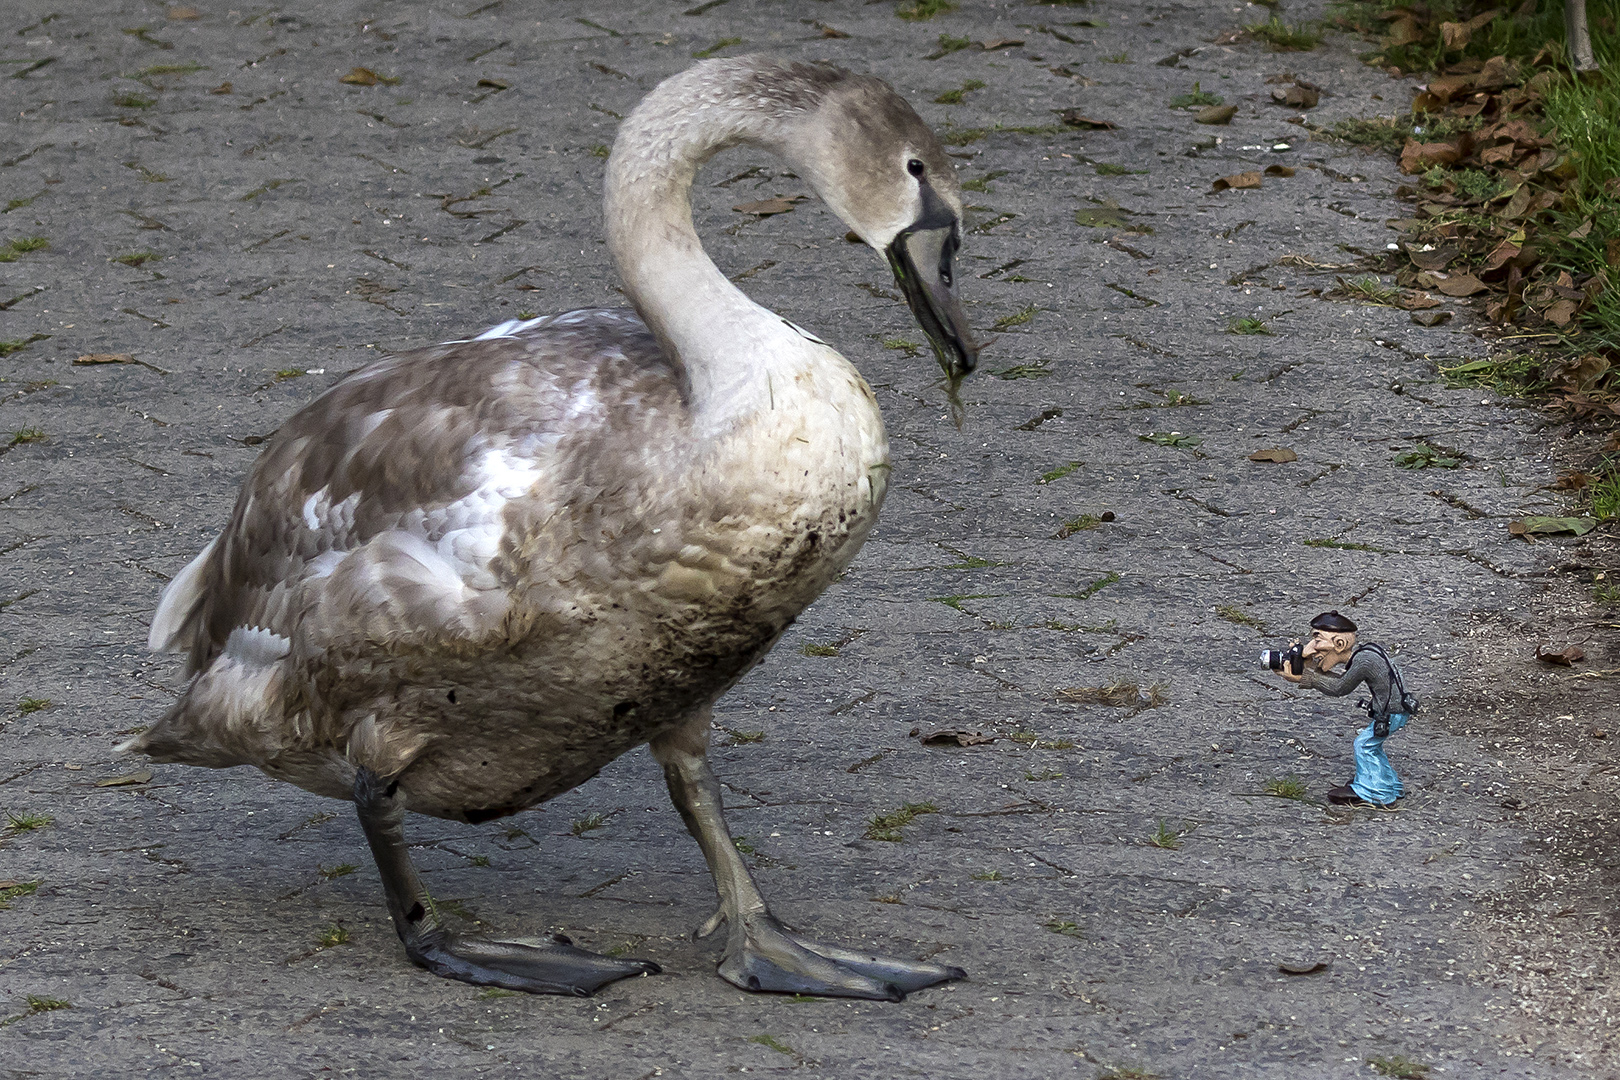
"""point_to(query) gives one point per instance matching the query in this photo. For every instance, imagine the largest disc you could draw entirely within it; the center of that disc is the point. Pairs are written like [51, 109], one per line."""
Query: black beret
[1333, 623]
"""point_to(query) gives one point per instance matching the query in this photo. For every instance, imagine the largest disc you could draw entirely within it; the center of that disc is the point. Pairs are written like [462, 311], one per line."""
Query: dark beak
[923, 259]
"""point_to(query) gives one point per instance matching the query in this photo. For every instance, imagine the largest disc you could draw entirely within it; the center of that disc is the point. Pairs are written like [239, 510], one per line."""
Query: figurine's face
[1330, 649]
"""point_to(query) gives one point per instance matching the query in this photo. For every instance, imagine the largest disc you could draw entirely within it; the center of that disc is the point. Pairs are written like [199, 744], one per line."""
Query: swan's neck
[734, 354]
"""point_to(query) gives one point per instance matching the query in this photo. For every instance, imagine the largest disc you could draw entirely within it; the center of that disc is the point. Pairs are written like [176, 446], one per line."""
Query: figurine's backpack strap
[1404, 701]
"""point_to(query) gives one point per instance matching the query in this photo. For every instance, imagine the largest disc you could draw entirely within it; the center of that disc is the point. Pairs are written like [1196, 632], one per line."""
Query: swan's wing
[377, 513]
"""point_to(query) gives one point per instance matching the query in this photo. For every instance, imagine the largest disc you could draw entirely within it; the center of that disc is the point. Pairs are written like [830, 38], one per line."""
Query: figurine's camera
[1294, 657]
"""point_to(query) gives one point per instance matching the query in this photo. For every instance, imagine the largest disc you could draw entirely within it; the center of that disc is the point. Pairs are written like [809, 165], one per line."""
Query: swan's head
[879, 167]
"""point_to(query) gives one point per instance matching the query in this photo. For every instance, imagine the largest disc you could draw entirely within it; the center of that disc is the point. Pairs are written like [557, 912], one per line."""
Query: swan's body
[468, 577]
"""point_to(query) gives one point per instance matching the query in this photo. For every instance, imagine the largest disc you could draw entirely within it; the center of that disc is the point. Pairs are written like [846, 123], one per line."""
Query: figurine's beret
[1333, 623]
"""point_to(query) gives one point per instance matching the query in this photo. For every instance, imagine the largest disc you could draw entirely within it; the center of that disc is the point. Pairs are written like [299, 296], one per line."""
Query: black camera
[1293, 656]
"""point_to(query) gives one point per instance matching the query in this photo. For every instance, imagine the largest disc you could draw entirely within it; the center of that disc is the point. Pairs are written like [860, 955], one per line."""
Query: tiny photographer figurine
[1333, 642]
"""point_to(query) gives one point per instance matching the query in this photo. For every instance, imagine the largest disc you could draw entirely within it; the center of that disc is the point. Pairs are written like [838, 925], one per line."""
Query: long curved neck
[725, 343]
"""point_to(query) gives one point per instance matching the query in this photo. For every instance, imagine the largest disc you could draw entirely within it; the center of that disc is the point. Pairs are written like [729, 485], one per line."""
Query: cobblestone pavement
[248, 227]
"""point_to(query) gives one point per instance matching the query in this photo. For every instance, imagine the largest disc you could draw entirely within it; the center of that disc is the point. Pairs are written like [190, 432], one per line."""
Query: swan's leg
[761, 953]
[540, 967]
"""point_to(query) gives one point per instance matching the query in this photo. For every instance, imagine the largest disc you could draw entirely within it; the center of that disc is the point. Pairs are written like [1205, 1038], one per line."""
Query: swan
[467, 577]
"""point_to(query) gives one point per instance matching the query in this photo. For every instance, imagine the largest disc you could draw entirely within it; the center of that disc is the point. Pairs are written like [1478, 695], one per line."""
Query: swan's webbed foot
[765, 956]
[534, 965]
[538, 967]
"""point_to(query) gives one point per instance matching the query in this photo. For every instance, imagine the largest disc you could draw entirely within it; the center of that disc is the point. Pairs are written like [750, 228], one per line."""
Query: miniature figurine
[1333, 642]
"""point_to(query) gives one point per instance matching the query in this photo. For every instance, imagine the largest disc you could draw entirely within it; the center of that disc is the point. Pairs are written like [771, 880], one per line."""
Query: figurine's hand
[1290, 676]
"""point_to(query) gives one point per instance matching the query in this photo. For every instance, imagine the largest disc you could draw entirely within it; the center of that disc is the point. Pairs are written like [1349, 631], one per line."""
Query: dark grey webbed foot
[537, 966]
[765, 956]
[534, 966]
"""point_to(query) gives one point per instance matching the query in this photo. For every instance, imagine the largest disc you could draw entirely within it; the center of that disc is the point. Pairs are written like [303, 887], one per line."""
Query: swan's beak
[923, 259]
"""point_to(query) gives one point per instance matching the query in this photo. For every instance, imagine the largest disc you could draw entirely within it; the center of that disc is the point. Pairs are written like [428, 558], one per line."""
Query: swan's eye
[915, 167]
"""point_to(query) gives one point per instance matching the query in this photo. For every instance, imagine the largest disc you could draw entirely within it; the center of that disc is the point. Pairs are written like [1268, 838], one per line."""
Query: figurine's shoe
[1343, 795]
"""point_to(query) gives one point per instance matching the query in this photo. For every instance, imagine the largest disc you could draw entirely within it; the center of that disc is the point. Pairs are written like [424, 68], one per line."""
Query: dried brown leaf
[1075, 118]
[1237, 181]
[1297, 97]
[1215, 114]
[105, 358]
[127, 780]
[1462, 285]
[1566, 657]
[957, 738]
[1284, 171]
[767, 207]
[1278, 454]
[364, 76]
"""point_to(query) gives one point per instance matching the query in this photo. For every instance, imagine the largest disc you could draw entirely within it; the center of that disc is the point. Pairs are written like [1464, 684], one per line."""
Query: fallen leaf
[1215, 114]
[1280, 170]
[992, 44]
[1461, 285]
[1237, 181]
[105, 358]
[1278, 454]
[1075, 118]
[1297, 97]
[1304, 967]
[1598, 733]
[1431, 318]
[495, 84]
[1571, 481]
[1438, 259]
[127, 780]
[1580, 232]
[180, 13]
[1561, 313]
[9, 883]
[1567, 657]
[1404, 31]
[1419, 157]
[1456, 36]
[1108, 215]
[767, 207]
[363, 76]
[1536, 524]
[957, 738]
[223, 88]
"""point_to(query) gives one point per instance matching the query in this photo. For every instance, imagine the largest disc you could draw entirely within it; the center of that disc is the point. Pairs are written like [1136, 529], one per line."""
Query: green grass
[38, 1004]
[1017, 318]
[1060, 472]
[1603, 497]
[1246, 326]
[918, 10]
[1095, 587]
[1368, 288]
[1173, 439]
[135, 258]
[1196, 98]
[819, 650]
[1402, 1068]
[1065, 928]
[966, 136]
[910, 348]
[982, 184]
[1045, 774]
[948, 45]
[741, 844]
[601, 150]
[771, 1042]
[21, 246]
[1164, 836]
[26, 435]
[1105, 168]
[129, 100]
[887, 826]
[1514, 375]
[332, 873]
[741, 738]
[586, 824]
[1234, 614]
[33, 705]
[986, 875]
[26, 822]
[12, 892]
[1287, 787]
[1280, 37]
[723, 43]
[955, 97]
[1117, 58]
[1424, 456]
[332, 935]
[1078, 524]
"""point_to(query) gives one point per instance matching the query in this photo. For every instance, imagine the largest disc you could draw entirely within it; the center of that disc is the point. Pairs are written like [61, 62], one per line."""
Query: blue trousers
[1375, 780]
